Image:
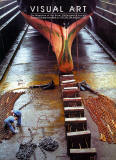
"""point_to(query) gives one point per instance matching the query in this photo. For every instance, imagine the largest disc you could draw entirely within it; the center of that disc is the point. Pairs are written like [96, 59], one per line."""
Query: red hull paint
[60, 38]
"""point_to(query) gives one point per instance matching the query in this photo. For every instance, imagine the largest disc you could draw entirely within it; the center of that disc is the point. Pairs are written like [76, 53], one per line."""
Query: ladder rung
[83, 151]
[72, 99]
[67, 75]
[78, 109]
[77, 119]
[79, 133]
[68, 81]
[70, 88]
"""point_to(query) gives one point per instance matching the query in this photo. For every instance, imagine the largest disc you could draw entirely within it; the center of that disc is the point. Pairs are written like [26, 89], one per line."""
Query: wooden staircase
[77, 134]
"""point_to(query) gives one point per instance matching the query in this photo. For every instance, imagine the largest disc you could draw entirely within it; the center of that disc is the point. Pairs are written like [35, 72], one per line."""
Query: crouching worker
[17, 114]
[9, 124]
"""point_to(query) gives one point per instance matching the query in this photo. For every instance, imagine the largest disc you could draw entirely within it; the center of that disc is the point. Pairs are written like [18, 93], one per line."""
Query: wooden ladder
[78, 137]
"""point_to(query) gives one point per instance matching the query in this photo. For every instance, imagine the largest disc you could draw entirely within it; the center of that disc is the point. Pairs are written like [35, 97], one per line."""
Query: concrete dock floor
[33, 65]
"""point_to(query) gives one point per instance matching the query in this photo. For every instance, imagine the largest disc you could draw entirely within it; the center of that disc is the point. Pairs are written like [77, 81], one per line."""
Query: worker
[9, 123]
[17, 114]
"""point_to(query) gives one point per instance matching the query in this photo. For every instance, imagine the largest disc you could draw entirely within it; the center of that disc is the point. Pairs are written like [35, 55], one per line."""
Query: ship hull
[59, 32]
[61, 38]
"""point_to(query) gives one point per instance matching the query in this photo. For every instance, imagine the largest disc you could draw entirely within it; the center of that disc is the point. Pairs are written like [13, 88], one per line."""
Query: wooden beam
[75, 124]
[67, 75]
[83, 154]
[71, 88]
[68, 81]
[77, 108]
[78, 134]
[78, 139]
[72, 99]
[72, 84]
[74, 111]
[83, 151]
[70, 92]
[76, 120]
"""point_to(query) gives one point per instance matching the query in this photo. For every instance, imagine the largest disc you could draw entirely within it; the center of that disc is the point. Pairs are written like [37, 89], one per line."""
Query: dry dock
[44, 114]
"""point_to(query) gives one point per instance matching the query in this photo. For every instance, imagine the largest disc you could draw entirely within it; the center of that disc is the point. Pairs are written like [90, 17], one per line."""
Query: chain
[27, 149]
[103, 112]
[7, 101]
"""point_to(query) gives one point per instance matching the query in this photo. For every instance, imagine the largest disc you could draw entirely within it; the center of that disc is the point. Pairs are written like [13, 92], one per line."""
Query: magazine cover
[57, 79]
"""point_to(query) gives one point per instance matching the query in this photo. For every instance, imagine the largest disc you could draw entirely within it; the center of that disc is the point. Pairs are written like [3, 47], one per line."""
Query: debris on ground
[50, 85]
[83, 86]
[25, 105]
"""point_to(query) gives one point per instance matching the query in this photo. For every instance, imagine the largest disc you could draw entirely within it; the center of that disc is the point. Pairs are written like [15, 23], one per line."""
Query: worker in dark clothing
[9, 123]
[17, 114]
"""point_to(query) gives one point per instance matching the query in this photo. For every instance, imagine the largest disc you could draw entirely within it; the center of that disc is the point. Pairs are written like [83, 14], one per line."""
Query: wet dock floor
[35, 64]
[43, 113]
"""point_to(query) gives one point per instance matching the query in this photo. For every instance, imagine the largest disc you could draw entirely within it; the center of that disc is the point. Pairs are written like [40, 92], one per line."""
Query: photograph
[57, 79]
